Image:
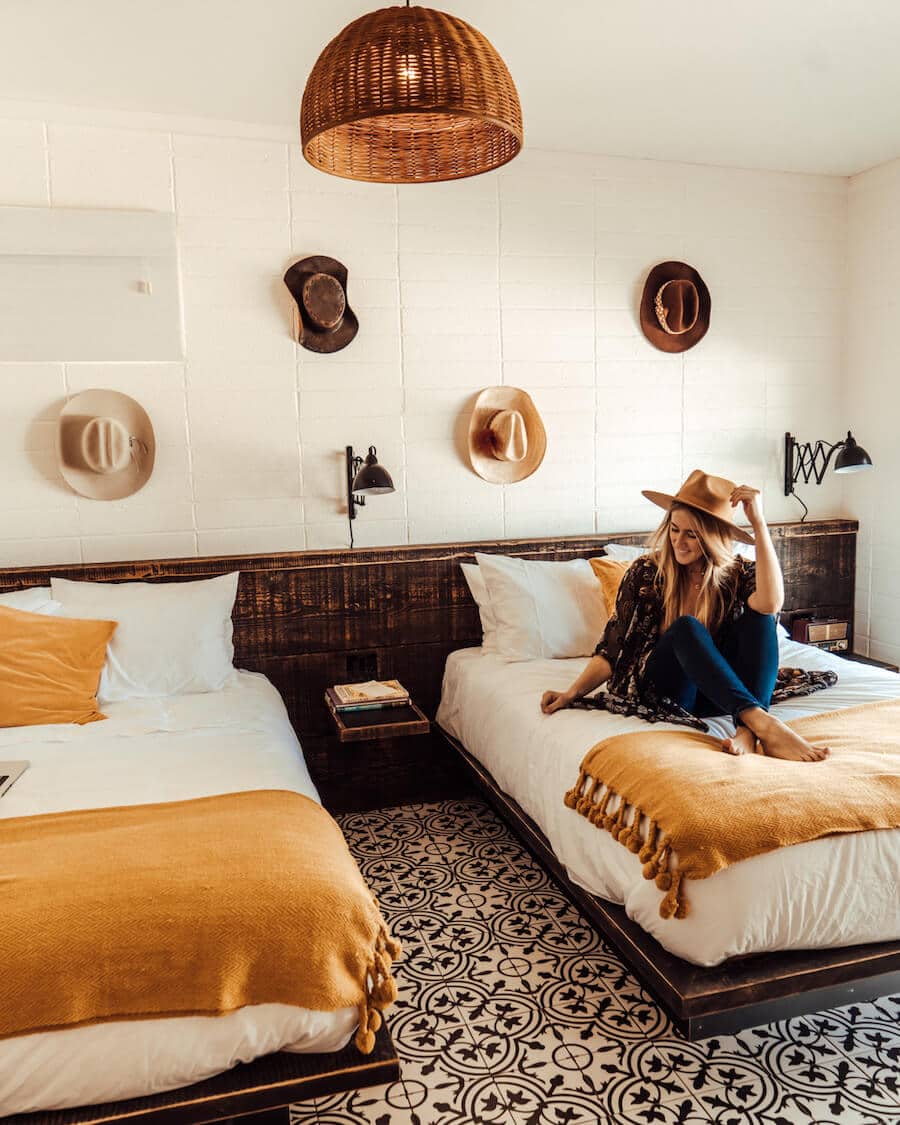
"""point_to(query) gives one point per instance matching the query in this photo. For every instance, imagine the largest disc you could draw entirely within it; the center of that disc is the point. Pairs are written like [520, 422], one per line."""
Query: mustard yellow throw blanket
[689, 809]
[186, 908]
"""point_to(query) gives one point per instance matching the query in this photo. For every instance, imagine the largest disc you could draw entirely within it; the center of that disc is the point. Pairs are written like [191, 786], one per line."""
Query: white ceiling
[795, 85]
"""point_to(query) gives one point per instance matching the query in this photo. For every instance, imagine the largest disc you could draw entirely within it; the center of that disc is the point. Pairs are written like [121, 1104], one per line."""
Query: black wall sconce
[366, 477]
[810, 460]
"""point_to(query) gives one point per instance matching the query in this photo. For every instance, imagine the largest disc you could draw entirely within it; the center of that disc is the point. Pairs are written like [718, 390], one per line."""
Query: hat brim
[665, 500]
[650, 326]
[99, 403]
[481, 450]
[328, 339]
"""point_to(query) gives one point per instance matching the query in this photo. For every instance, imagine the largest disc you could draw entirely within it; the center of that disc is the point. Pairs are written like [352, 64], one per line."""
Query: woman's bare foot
[779, 741]
[743, 741]
[787, 744]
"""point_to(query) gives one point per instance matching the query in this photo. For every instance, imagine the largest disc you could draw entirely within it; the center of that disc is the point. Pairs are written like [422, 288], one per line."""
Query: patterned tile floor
[512, 1011]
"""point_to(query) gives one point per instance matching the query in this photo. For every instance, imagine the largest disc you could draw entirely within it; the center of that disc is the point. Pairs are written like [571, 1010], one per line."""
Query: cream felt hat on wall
[105, 444]
[507, 440]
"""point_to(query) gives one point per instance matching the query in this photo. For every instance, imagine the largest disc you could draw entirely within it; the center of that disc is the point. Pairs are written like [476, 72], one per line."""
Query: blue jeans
[709, 679]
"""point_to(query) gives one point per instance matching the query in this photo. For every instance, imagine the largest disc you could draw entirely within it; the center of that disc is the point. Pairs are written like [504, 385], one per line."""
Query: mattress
[157, 750]
[833, 892]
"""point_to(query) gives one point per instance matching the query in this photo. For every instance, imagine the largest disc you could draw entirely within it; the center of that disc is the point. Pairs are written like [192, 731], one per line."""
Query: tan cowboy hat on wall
[507, 440]
[707, 494]
[105, 444]
[675, 307]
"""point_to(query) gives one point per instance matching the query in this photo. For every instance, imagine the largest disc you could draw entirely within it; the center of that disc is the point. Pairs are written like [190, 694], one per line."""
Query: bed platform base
[741, 993]
[255, 1093]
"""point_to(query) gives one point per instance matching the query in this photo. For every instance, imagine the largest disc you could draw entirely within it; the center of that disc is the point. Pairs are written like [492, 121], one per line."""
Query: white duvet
[157, 750]
[836, 891]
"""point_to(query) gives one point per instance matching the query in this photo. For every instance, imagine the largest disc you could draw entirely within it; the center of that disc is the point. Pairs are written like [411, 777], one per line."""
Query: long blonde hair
[715, 542]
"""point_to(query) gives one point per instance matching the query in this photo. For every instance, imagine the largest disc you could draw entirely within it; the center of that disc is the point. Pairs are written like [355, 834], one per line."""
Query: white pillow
[479, 591]
[172, 638]
[34, 599]
[543, 609]
[621, 552]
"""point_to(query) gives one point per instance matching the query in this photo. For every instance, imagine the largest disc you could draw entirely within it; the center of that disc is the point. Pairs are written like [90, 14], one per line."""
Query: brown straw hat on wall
[706, 494]
[507, 440]
[675, 307]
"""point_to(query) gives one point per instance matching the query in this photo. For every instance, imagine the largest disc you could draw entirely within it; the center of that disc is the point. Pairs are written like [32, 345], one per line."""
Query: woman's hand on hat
[749, 499]
[555, 701]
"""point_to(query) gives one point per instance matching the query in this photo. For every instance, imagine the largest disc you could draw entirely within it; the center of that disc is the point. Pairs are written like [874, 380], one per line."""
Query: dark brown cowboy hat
[675, 307]
[707, 494]
[319, 286]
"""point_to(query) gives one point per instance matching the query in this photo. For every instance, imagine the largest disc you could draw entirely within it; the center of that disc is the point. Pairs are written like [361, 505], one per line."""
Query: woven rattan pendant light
[409, 95]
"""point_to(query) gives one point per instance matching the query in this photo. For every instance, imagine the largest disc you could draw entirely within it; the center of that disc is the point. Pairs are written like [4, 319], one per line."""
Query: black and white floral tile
[512, 1011]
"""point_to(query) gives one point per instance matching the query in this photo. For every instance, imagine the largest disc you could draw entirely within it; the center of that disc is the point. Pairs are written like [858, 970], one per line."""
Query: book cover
[333, 701]
[371, 691]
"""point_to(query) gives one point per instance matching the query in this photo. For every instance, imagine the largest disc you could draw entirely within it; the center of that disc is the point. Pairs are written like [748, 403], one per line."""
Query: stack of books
[372, 695]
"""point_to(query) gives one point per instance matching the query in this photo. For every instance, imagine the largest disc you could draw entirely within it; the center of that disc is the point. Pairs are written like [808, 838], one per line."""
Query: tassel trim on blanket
[652, 848]
[380, 990]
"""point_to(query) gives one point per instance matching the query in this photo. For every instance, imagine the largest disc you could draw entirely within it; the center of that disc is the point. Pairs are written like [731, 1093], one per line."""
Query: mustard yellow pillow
[50, 668]
[610, 574]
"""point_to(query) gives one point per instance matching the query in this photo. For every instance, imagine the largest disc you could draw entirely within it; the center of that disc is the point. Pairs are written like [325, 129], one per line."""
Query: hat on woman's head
[675, 307]
[706, 494]
[319, 286]
[105, 444]
[507, 440]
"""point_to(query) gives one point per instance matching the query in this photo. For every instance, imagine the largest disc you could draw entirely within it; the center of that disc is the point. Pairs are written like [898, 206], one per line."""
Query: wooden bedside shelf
[385, 722]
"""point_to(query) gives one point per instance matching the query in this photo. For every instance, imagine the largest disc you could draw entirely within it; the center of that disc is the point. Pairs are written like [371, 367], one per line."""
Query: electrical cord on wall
[802, 505]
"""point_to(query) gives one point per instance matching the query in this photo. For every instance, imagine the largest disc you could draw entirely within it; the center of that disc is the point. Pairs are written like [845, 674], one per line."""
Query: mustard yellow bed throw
[689, 810]
[186, 908]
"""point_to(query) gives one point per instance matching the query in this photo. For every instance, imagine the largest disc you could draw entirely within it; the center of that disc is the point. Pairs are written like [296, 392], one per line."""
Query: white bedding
[170, 749]
[832, 892]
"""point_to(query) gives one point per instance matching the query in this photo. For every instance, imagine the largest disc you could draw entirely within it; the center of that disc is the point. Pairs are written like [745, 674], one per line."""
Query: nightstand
[858, 658]
[384, 757]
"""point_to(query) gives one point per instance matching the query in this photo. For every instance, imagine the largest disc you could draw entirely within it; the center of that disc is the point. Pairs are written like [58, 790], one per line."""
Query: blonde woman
[694, 629]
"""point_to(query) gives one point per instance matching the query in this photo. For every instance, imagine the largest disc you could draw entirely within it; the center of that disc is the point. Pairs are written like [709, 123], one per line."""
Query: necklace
[696, 578]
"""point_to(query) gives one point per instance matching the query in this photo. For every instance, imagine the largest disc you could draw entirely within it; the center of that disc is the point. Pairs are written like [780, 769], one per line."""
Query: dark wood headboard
[315, 618]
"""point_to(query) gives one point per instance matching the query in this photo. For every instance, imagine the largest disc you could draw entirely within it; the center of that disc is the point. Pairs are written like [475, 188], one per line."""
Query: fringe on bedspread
[380, 990]
[653, 849]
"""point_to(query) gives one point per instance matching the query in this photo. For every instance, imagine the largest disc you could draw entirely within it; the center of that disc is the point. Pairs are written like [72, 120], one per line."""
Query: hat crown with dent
[509, 438]
[105, 445]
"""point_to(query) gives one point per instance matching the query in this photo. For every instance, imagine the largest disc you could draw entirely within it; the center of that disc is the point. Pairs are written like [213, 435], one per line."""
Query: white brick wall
[871, 403]
[529, 276]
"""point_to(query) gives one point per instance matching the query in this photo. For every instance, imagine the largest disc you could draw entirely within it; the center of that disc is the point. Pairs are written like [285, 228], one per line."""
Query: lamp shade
[851, 458]
[409, 95]
[372, 477]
